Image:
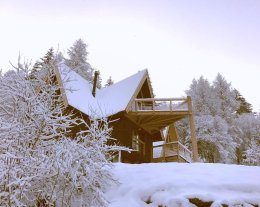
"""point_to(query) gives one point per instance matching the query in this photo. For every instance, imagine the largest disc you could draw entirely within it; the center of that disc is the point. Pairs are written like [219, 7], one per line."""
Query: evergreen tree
[109, 82]
[214, 107]
[203, 98]
[41, 66]
[244, 106]
[225, 98]
[78, 60]
[48, 57]
[252, 154]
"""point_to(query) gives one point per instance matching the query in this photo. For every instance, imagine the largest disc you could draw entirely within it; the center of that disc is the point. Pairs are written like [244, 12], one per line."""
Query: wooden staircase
[171, 150]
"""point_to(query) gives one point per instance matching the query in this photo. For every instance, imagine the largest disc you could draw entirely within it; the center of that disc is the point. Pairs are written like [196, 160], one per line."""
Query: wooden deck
[154, 114]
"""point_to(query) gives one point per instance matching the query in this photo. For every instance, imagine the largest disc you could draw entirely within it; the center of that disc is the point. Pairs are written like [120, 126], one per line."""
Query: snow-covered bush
[40, 164]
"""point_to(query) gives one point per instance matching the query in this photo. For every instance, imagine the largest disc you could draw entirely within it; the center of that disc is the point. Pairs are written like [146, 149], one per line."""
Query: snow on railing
[160, 104]
[171, 149]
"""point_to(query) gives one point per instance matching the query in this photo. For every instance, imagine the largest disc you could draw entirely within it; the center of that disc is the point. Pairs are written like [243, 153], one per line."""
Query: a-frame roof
[108, 101]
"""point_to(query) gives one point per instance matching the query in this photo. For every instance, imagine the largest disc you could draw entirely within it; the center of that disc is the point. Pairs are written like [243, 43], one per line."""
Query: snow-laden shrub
[40, 164]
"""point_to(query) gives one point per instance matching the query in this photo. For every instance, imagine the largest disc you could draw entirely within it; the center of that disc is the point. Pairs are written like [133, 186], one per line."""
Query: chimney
[95, 83]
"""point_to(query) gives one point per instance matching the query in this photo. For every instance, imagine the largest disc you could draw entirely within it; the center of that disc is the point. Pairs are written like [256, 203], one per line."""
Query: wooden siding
[123, 132]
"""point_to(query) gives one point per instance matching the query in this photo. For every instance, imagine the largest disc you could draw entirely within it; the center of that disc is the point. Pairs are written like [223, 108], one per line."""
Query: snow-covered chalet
[142, 122]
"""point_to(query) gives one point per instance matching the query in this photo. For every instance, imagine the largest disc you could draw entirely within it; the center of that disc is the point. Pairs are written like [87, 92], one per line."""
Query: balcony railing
[171, 149]
[160, 104]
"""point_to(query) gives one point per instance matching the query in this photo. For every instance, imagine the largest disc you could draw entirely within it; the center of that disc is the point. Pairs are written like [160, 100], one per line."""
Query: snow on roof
[108, 101]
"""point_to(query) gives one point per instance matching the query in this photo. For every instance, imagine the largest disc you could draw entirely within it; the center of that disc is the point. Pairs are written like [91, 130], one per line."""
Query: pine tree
[226, 128]
[202, 95]
[78, 60]
[109, 82]
[214, 108]
[227, 104]
[48, 57]
[40, 67]
[244, 106]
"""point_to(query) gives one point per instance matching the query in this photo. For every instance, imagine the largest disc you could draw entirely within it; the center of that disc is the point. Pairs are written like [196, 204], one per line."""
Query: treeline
[227, 129]
[77, 59]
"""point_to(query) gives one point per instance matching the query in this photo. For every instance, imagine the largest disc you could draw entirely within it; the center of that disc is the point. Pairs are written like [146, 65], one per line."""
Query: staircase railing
[172, 149]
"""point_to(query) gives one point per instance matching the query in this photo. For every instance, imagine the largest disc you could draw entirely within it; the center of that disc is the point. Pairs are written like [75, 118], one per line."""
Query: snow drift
[177, 184]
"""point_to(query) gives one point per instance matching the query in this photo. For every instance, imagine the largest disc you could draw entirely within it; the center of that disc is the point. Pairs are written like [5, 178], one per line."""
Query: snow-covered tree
[77, 60]
[109, 82]
[227, 104]
[203, 97]
[252, 153]
[215, 130]
[41, 165]
[244, 106]
[215, 108]
[40, 64]
[246, 129]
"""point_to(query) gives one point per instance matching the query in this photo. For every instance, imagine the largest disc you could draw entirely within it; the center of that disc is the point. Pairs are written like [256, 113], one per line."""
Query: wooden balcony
[160, 105]
[153, 114]
[171, 152]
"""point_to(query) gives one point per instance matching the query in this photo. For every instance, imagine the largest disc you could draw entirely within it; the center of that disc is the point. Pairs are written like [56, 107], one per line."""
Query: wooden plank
[62, 90]
[186, 113]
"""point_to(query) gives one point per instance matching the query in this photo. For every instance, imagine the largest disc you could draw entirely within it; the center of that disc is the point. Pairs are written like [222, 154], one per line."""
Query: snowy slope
[172, 184]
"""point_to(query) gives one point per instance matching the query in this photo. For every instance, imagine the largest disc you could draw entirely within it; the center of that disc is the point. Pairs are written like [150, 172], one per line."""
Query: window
[135, 141]
[138, 144]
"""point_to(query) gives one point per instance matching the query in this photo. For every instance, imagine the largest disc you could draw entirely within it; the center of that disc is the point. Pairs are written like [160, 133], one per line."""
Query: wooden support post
[120, 156]
[164, 148]
[178, 152]
[195, 155]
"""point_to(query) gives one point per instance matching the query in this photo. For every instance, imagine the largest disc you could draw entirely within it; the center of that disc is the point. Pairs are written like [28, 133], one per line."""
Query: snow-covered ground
[175, 184]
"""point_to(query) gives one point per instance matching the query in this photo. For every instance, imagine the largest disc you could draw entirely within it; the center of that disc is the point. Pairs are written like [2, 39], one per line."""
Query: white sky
[176, 40]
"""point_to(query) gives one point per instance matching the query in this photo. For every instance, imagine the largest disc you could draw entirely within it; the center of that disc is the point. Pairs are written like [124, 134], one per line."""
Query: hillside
[175, 184]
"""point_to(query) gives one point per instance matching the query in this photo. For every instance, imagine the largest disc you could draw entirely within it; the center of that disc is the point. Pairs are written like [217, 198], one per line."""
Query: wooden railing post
[164, 148]
[195, 155]
[119, 156]
[178, 151]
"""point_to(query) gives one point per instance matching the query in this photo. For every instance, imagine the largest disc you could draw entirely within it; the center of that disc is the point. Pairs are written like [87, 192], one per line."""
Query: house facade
[138, 118]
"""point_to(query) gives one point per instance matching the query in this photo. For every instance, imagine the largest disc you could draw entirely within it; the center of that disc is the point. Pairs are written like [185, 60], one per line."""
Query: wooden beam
[172, 133]
[161, 99]
[184, 113]
[195, 155]
[61, 85]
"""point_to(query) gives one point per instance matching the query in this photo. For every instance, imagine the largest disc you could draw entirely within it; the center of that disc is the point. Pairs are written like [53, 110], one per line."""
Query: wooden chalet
[140, 119]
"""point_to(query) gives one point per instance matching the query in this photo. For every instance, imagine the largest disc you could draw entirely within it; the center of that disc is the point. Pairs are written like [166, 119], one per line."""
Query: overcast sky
[175, 40]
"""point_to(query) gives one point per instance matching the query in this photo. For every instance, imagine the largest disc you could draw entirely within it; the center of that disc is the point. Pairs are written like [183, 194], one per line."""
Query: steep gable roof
[108, 101]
